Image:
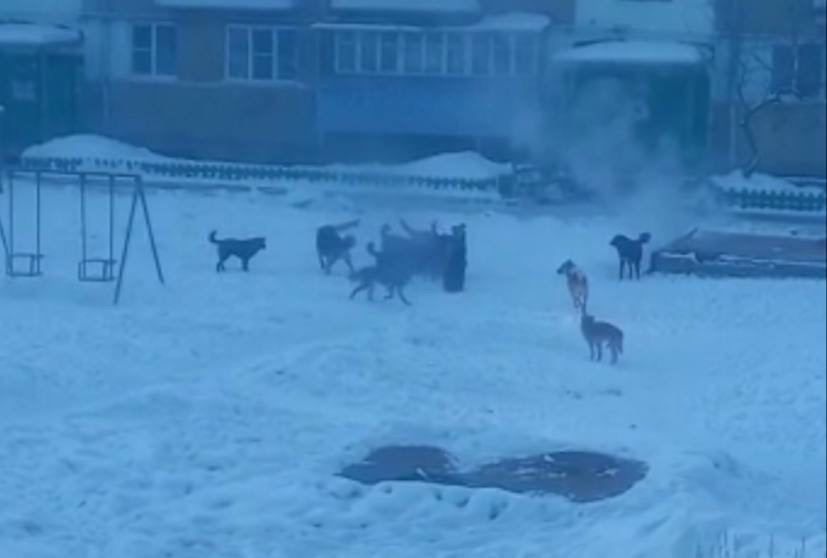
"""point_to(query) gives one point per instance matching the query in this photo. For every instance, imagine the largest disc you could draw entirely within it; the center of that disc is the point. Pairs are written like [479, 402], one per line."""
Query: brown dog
[596, 333]
[577, 282]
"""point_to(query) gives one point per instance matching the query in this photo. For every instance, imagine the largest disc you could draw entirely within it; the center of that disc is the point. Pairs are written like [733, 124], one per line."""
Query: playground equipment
[99, 268]
[32, 258]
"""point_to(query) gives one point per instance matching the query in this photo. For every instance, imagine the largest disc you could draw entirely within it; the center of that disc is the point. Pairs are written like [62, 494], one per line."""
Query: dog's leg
[245, 264]
[613, 348]
[391, 291]
[349, 263]
[591, 350]
[637, 269]
[331, 261]
[402, 296]
[359, 288]
[599, 351]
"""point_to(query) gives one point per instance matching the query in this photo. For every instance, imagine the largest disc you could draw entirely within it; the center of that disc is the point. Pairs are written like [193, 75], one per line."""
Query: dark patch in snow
[580, 476]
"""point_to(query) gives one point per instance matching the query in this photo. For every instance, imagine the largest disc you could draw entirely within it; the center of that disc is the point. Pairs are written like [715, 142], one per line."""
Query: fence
[240, 173]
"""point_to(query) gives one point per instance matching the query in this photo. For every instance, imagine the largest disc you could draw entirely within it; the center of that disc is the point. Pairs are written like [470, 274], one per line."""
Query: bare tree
[746, 67]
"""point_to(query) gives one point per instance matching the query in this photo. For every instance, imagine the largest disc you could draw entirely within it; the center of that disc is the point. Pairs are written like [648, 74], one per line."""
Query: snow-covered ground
[207, 418]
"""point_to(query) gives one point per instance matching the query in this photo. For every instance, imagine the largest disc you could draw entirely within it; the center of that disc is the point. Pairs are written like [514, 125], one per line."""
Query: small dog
[385, 272]
[577, 282]
[596, 333]
[332, 247]
[630, 252]
[242, 249]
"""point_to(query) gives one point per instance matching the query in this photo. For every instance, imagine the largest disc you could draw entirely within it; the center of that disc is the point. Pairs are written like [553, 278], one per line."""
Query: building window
[434, 53]
[413, 53]
[455, 54]
[437, 52]
[260, 53]
[346, 52]
[369, 52]
[389, 53]
[501, 54]
[481, 54]
[799, 70]
[154, 49]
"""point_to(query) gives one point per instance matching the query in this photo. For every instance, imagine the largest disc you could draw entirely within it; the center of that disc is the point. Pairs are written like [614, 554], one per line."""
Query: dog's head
[260, 243]
[565, 267]
[617, 241]
[644, 238]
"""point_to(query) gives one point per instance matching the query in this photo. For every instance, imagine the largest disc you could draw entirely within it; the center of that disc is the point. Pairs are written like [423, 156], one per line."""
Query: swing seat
[30, 270]
[96, 270]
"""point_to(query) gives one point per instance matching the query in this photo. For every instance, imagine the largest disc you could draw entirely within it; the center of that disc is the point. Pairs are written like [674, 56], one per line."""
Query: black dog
[332, 247]
[242, 249]
[387, 271]
[630, 252]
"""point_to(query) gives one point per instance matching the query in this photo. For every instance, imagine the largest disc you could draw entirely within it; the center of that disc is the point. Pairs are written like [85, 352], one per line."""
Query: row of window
[266, 54]
[435, 52]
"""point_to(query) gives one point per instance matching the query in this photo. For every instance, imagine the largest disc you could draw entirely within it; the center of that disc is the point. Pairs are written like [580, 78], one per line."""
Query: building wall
[265, 124]
[675, 16]
[198, 113]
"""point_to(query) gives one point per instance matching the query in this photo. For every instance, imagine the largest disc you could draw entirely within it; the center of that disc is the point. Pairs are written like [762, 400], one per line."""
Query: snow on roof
[30, 34]
[632, 52]
[230, 4]
[504, 22]
[515, 21]
[407, 5]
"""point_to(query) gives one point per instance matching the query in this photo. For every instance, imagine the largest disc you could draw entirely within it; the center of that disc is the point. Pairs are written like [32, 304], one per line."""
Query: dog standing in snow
[596, 333]
[577, 283]
[630, 252]
[331, 246]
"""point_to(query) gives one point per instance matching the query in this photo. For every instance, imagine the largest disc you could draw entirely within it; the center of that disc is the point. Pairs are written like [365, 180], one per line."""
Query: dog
[596, 333]
[242, 249]
[577, 282]
[630, 252]
[386, 272]
[331, 246]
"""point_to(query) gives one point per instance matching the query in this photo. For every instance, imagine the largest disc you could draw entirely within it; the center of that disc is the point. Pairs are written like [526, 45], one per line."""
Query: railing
[241, 173]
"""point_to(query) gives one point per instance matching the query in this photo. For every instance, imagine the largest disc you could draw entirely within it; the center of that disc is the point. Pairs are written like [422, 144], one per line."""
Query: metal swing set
[100, 268]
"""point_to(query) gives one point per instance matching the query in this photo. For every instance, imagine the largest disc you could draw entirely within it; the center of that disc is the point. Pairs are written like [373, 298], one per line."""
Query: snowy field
[206, 418]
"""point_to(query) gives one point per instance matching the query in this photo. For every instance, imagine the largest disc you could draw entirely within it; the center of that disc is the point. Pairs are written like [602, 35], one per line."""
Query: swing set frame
[100, 269]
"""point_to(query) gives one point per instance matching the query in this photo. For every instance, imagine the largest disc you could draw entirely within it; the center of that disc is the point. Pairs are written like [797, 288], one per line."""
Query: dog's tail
[212, 237]
[644, 238]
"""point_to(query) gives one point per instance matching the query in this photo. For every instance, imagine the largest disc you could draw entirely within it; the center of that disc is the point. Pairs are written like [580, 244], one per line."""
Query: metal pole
[11, 216]
[140, 188]
[37, 221]
[125, 252]
[83, 219]
[111, 226]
